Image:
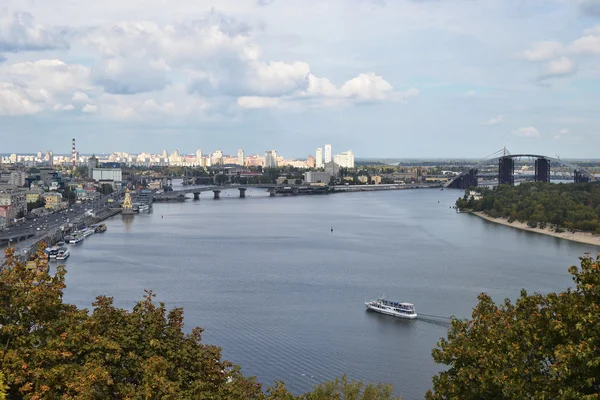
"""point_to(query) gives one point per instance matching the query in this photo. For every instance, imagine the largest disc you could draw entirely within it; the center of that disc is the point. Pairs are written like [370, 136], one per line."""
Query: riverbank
[580, 237]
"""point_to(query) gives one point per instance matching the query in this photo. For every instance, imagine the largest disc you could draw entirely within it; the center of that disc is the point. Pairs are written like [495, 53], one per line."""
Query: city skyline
[250, 74]
[197, 158]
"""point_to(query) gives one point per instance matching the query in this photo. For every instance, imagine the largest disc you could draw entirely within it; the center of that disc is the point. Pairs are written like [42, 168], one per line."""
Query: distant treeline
[574, 206]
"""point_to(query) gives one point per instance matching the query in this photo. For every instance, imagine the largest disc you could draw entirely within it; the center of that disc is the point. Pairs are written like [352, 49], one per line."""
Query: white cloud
[14, 101]
[528, 132]
[64, 107]
[259, 102]
[80, 97]
[90, 108]
[589, 44]
[321, 92]
[470, 93]
[367, 87]
[559, 67]
[541, 51]
[561, 133]
[498, 119]
[19, 32]
[43, 84]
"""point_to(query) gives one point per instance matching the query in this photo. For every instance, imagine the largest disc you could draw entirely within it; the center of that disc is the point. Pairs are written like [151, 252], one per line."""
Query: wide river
[283, 295]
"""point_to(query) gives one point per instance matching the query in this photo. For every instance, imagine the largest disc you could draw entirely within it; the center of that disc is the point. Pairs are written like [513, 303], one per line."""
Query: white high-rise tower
[328, 154]
[240, 160]
[319, 158]
[199, 157]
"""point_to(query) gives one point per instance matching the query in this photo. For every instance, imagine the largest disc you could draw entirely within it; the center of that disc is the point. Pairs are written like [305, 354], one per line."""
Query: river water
[283, 295]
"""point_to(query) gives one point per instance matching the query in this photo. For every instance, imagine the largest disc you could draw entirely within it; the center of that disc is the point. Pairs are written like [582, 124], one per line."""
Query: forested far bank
[573, 206]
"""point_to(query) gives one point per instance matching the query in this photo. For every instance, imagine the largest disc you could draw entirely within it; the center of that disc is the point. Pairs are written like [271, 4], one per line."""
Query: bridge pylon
[506, 170]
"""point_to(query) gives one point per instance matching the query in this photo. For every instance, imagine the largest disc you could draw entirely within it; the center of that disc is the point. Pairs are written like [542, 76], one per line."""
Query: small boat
[396, 309]
[63, 254]
[87, 232]
[100, 228]
[143, 207]
[76, 239]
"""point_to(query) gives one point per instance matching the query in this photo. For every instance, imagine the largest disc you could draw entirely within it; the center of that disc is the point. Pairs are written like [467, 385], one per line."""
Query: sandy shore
[581, 237]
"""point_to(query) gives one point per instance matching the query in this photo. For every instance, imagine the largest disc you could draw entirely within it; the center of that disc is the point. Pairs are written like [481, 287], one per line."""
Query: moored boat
[76, 239]
[52, 251]
[87, 232]
[63, 254]
[393, 308]
[100, 228]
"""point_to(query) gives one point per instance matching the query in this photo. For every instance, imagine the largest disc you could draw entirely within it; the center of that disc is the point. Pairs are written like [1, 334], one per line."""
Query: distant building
[107, 174]
[48, 175]
[17, 178]
[310, 163]
[53, 200]
[345, 160]
[33, 195]
[92, 163]
[475, 195]
[271, 158]
[199, 158]
[13, 202]
[363, 178]
[217, 158]
[376, 180]
[328, 154]
[317, 177]
[319, 158]
[240, 157]
[175, 158]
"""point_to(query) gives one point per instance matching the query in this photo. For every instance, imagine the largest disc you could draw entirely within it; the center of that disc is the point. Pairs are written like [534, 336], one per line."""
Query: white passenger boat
[401, 310]
[143, 207]
[76, 239]
[52, 251]
[88, 232]
[63, 254]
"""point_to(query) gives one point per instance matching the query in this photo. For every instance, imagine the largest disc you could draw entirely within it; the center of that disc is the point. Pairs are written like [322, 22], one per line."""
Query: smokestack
[73, 153]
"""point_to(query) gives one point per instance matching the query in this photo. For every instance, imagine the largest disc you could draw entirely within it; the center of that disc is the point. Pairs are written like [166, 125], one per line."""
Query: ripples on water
[283, 295]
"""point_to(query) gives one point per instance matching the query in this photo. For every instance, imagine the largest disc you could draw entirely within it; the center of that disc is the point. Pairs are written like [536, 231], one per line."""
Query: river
[283, 295]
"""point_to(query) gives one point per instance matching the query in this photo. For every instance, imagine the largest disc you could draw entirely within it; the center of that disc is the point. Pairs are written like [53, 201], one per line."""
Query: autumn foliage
[541, 347]
[53, 350]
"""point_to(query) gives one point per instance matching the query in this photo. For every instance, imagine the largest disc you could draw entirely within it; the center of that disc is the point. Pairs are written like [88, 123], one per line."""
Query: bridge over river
[505, 162]
[273, 189]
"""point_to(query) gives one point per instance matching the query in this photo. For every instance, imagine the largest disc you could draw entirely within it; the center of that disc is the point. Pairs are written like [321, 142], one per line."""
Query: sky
[385, 78]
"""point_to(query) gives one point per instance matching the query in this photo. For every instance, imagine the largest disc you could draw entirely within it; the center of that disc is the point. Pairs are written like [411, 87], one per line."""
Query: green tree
[3, 387]
[540, 347]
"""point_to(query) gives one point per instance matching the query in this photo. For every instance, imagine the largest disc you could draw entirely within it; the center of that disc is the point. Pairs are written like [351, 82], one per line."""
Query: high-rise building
[310, 163]
[199, 157]
[240, 159]
[217, 157]
[271, 158]
[328, 154]
[92, 163]
[174, 158]
[17, 178]
[345, 160]
[319, 158]
[49, 157]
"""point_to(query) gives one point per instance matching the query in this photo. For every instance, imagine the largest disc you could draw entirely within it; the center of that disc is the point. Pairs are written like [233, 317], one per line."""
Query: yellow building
[363, 179]
[33, 195]
[52, 200]
[376, 179]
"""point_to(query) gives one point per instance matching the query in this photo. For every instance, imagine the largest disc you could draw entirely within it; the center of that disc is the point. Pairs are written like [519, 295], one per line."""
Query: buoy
[331, 229]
